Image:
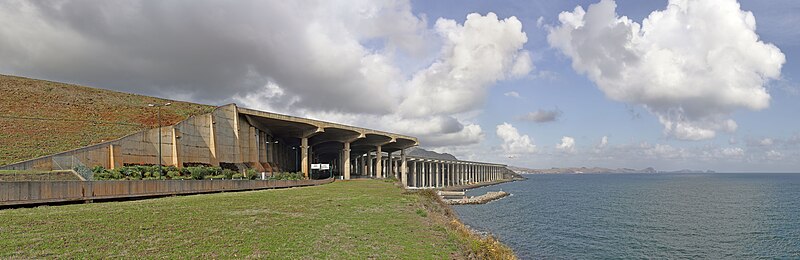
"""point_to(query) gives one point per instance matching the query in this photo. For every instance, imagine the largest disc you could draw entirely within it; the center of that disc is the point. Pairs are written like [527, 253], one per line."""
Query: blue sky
[523, 87]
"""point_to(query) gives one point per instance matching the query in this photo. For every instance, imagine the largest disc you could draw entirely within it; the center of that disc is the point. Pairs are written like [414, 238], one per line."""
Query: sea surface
[590, 216]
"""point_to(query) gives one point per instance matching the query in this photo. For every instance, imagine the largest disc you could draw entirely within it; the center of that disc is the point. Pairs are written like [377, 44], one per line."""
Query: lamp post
[158, 107]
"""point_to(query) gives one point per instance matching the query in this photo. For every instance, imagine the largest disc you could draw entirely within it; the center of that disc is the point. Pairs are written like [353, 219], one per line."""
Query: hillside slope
[39, 117]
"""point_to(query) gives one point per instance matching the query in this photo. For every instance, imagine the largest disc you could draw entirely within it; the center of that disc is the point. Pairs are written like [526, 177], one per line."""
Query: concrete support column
[428, 175]
[378, 162]
[475, 173]
[458, 173]
[389, 166]
[425, 174]
[472, 173]
[271, 151]
[370, 165]
[346, 161]
[437, 173]
[436, 176]
[441, 174]
[452, 174]
[403, 168]
[363, 165]
[420, 174]
[304, 156]
[412, 178]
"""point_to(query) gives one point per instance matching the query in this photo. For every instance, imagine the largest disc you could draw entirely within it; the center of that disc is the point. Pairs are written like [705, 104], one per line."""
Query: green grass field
[343, 220]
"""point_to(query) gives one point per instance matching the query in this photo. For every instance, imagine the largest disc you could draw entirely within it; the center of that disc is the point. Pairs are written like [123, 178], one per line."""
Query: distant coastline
[594, 170]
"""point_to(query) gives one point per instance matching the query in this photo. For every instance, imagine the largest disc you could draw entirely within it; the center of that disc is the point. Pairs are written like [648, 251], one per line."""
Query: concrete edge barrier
[43, 192]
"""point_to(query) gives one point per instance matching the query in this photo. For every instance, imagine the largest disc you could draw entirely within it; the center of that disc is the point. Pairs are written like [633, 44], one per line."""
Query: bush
[228, 174]
[152, 172]
[98, 169]
[197, 173]
[252, 174]
[237, 176]
[287, 176]
[173, 174]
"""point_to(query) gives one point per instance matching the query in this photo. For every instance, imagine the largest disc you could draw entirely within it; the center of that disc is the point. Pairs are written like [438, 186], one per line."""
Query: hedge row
[144, 172]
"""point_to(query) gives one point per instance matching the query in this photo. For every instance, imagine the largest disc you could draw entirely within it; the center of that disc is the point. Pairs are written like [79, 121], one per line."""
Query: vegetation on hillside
[40, 117]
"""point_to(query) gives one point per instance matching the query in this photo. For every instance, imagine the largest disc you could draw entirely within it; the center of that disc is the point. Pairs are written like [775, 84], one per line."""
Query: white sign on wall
[315, 166]
[325, 166]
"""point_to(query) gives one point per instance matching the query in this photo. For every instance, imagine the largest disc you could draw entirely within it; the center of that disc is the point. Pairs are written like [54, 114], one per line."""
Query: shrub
[237, 176]
[287, 176]
[252, 174]
[228, 174]
[173, 174]
[98, 169]
[197, 173]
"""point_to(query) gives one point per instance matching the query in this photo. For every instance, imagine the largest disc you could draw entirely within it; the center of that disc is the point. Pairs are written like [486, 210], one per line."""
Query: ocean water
[707, 216]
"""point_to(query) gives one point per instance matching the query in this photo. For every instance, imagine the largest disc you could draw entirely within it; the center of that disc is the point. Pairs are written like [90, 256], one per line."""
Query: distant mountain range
[585, 170]
[416, 151]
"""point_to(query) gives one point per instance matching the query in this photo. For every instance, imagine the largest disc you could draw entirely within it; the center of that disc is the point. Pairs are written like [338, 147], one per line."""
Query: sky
[682, 84]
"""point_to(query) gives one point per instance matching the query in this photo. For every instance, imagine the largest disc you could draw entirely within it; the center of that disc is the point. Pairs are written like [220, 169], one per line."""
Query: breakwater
[482, 199]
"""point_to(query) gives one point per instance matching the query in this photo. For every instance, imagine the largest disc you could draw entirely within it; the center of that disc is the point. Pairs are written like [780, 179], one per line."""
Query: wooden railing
[40, 192]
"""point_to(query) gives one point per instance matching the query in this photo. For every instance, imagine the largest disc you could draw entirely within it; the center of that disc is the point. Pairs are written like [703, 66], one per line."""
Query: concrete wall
[35, 192]
[194, 140]
[219, 136]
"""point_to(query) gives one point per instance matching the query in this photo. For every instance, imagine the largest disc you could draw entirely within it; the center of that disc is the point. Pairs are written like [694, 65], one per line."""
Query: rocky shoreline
[482, 199]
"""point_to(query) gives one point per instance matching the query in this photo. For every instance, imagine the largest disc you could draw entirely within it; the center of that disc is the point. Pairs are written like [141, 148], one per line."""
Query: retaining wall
[38, 192]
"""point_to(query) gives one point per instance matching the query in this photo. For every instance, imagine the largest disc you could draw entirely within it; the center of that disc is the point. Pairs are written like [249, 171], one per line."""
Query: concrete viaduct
[241, 138]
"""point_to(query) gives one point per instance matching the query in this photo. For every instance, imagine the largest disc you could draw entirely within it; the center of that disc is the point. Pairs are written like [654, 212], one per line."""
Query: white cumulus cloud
[513, 94]
[567, 144]
[475, 55]
[603, 142]
[513, 142]
[691, 64]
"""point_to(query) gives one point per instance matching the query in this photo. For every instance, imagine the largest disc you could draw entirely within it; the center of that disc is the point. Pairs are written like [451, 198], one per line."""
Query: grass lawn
[354, 220]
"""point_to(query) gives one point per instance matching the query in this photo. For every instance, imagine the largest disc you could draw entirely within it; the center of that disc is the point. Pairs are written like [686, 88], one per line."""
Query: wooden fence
[38, 192]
